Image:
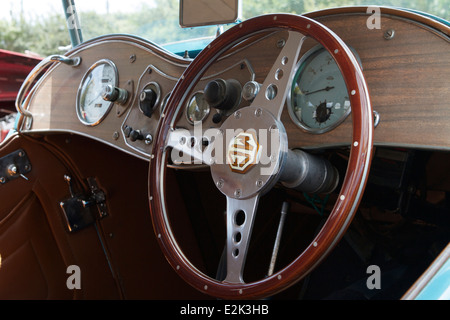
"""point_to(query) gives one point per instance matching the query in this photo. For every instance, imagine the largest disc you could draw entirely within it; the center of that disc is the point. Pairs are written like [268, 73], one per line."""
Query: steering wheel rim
[352, 187]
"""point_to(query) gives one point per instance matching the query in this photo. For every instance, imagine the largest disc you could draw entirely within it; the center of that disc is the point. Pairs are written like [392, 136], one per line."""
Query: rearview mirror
[195, 13]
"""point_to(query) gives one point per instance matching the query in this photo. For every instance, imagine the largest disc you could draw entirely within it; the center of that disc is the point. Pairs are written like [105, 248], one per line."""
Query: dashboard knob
[136, 135]
[114, 94]
[250, 90]
[147, 101]
[221, 94]
[127, 131]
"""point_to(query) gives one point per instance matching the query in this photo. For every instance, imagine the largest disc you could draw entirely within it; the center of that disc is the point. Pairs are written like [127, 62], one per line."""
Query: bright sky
[42, 7]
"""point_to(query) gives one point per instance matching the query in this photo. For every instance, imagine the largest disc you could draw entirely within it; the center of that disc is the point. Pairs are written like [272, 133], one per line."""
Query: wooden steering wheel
[242, 196]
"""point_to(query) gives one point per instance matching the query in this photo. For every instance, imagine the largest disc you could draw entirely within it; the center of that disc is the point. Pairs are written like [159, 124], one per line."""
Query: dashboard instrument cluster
[121, 88]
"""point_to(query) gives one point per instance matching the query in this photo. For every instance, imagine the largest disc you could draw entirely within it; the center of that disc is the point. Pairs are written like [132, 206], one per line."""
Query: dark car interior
[101, 187]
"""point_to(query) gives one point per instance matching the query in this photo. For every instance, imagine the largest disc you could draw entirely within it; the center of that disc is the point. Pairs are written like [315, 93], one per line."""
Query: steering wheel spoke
[240, 218]
[275, 88]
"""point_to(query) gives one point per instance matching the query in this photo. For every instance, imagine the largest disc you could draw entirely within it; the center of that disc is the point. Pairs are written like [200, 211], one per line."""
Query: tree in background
[158, 21]
[41, 35]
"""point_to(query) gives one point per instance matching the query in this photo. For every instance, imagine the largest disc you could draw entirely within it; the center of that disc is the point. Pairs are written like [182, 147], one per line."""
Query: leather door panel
[35, 246]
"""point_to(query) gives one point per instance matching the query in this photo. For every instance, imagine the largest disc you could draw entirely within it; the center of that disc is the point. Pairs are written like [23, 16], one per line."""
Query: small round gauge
[197, 108]
[318, 99]
[91, 107]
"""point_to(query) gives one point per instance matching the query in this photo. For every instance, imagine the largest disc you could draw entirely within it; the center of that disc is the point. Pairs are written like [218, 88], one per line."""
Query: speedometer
[318, 100]
[197, 108]
[91, 107]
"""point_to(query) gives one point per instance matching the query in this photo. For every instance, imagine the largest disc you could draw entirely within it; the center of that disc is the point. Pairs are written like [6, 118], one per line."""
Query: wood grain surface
[408, 79]
[53, 105]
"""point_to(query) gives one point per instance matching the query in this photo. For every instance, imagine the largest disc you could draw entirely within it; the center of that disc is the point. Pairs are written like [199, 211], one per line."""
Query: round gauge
[197, 108]
[91, 107]
[318, 99]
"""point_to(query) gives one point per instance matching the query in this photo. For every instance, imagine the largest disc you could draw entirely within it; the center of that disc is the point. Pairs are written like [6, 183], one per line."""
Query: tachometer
[91, 107]
[318, 99]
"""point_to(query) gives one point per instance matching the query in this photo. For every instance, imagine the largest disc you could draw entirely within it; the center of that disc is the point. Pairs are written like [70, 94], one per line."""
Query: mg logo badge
[243, 152]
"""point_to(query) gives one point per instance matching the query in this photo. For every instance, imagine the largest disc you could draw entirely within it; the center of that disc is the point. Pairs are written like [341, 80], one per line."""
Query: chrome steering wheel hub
[250, 149]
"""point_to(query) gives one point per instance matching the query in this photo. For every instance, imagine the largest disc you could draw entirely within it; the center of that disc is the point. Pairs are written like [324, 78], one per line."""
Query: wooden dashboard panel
[138, 62]
[407, 77]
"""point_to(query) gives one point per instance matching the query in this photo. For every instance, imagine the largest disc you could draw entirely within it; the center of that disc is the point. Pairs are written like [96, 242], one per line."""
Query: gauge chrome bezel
[80, 86]
[187, 108]
[293, 116]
